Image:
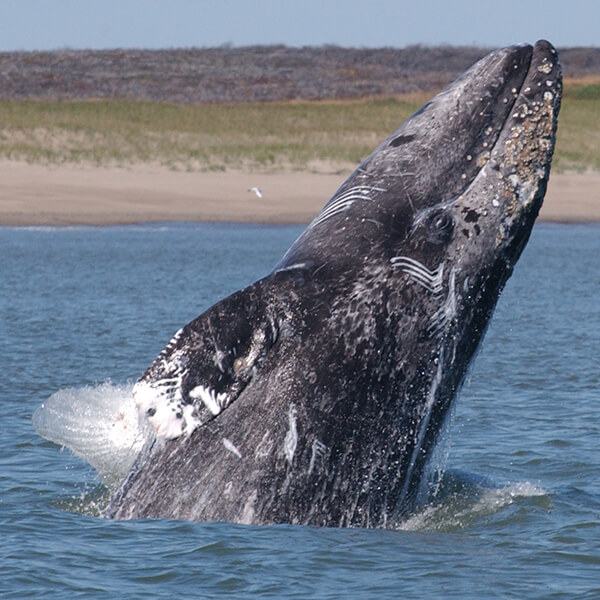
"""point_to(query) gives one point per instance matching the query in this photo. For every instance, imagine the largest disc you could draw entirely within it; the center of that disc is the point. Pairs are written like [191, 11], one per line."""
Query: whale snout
[520, 162]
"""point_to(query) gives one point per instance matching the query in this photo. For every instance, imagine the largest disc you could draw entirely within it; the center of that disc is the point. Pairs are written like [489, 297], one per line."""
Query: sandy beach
[33, 194]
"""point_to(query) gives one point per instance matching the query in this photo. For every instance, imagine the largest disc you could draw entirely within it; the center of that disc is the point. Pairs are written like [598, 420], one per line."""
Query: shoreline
[38, 195]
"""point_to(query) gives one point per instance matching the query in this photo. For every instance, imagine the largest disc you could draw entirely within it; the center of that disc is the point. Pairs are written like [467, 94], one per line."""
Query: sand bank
[71, 195]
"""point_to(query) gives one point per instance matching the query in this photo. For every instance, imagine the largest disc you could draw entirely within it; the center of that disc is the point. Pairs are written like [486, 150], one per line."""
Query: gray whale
[317, 394]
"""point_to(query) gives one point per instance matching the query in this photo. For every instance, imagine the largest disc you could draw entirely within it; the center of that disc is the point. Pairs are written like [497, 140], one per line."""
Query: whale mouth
[507, 105]
[513, 178]
[509, 147]
[495, 123]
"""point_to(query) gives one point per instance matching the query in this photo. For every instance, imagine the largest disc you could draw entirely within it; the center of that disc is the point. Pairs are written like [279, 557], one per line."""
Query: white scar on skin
[292, 267]
[291, 437]
[447, 312]
[230, 446]
[344, 201]
[319, 449]
[264, 447]
[432, 281]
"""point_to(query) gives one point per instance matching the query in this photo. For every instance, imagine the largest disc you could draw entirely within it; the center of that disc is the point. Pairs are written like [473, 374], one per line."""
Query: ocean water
[83, 311]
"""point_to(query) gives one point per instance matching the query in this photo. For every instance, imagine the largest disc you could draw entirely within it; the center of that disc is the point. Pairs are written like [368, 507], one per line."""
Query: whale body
[317, 394]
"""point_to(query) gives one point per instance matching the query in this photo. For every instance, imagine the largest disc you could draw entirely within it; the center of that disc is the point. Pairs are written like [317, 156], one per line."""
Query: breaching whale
[317, 394]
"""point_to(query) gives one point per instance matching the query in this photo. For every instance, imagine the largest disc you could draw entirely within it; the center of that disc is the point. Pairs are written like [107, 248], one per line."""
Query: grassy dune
[325, 135]
[578, 138]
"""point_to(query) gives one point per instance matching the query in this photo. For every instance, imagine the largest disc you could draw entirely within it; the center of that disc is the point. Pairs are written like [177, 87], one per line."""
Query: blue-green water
[518, 514]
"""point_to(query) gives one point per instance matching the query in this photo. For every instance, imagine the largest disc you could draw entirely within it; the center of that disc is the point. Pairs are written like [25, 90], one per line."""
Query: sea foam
[464, 499]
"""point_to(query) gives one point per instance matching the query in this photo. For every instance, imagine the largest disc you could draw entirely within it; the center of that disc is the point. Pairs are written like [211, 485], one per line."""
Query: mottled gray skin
[342, 364]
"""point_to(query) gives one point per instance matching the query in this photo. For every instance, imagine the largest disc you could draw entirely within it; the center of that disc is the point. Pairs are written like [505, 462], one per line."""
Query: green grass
[578, 137]
[271, 136]
[334, 135]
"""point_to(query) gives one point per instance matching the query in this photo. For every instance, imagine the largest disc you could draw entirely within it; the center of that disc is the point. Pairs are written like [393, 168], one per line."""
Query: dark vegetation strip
[248, 74]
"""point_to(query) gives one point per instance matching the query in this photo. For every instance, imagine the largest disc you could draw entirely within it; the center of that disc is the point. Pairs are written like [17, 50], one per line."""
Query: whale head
[473, 160]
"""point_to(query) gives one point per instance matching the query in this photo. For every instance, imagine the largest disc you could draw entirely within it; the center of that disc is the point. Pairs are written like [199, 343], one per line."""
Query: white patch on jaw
[160, 402]
[212, 400]
[190, 422]
[432, 281]
[172, 342]
[291, 437]
[230, 446]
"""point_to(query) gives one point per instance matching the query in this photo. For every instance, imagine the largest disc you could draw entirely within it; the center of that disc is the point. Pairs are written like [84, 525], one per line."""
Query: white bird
[256, 190]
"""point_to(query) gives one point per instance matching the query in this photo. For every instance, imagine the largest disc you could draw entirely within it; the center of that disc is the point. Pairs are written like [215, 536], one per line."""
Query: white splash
[247, 515]
[431, 398]
[461, 510]
[98, 424]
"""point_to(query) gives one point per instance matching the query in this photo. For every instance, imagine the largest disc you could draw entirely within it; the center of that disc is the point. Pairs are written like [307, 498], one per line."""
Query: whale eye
[440, 228]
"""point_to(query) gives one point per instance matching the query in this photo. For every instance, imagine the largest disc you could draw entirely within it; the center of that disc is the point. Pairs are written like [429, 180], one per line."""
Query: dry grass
[272, 136]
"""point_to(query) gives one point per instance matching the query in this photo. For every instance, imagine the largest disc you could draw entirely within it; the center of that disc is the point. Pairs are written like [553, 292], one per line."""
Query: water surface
[518, 512]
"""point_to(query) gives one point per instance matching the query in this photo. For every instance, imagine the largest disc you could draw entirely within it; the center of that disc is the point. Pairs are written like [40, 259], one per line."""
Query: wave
[462, 499]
